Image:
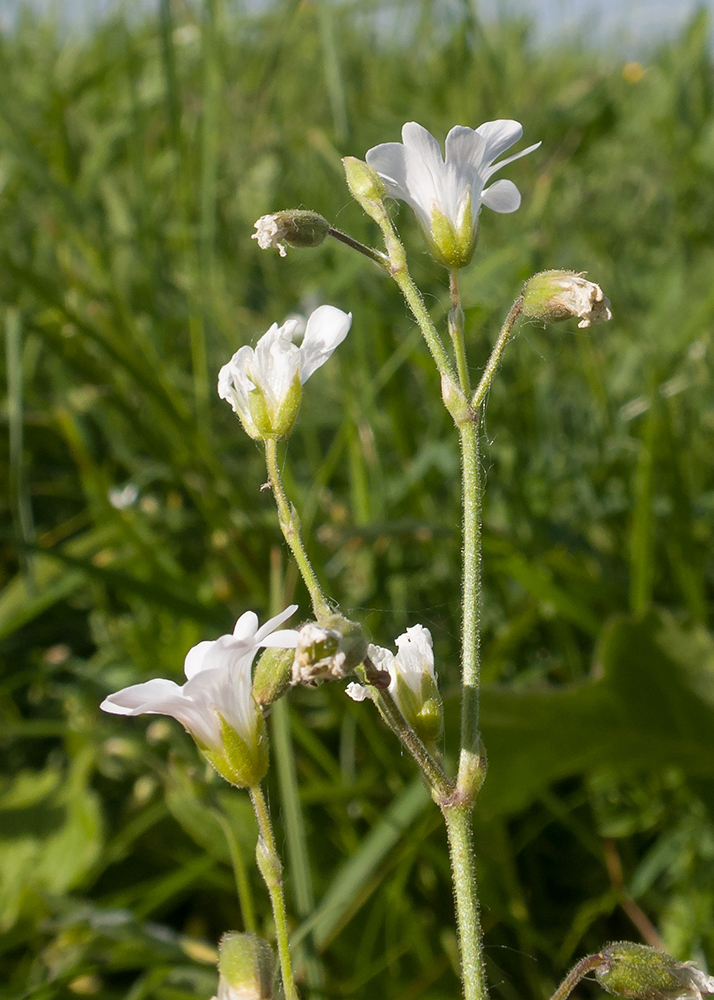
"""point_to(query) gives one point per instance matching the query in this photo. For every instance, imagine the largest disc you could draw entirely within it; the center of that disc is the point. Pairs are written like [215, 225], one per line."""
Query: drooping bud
[643, 973]
[366, 187]
[553, 296]
[245, 968]
[292, 228]
[327, 651]
[272, 675]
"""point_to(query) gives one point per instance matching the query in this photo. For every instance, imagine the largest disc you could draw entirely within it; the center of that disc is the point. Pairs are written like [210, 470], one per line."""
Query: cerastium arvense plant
[222, 702]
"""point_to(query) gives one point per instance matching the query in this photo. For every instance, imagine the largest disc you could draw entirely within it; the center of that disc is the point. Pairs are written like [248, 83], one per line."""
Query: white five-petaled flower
[447, 194]
[264, 386]
[412, 680]
[215, 704]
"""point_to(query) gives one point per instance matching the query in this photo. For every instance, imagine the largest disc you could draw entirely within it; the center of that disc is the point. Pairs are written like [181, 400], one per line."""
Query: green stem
[290, 527]
[577, 973]
[471, 764]
[463, 868]
[400, 272]
[271, 869]
[376, 255]
[496, 354]
[456, 331]
[430, 767]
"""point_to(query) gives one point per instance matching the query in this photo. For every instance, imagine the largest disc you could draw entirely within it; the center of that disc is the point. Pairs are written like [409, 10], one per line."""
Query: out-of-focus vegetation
[132, 165]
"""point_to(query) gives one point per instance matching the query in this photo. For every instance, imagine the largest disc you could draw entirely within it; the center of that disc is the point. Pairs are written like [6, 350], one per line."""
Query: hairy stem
[463, 868]
[271, 869]
[470, 759]
[290, 527]
[577, 973]
[496, 354]
[376, 255]
[430, 767]
[456, 332]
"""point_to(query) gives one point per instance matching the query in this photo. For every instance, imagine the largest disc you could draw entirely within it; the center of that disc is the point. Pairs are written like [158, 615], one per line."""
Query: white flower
[264, 385]
[447, 194]
[215, 704]
[413, 681]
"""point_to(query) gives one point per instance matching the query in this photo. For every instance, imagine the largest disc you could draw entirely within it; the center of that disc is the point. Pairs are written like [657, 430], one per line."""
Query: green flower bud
[644, 973]
[245, 968]
[553, 296]
[272, 675]
[292, 228]
[366, 187]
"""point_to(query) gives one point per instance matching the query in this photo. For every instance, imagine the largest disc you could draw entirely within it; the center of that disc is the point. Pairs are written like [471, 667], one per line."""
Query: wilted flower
[447, 194]
[557, 295]
[264, 386]
[413, 681]
[643, 973]
[292, 228]
[328, 651]
[215, 704]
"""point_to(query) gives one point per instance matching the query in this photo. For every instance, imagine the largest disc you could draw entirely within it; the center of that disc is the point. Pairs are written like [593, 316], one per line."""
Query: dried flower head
[553, 296]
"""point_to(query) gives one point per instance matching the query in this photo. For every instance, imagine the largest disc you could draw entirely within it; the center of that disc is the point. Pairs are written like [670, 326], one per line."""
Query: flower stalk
[290, 526]
[271, 869]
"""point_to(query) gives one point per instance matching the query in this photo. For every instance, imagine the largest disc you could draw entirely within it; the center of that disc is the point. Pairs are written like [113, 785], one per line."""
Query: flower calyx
[245, 968]
[293, 227]
[644, 973]
[553, 296]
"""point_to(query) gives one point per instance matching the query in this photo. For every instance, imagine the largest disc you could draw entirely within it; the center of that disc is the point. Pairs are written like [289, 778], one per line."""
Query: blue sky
[631, 23]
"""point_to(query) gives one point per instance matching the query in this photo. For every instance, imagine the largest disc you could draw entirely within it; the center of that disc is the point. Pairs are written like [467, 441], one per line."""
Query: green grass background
[133, 163]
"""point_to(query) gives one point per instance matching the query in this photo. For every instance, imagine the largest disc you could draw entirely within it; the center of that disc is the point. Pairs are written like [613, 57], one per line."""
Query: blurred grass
[132, 166]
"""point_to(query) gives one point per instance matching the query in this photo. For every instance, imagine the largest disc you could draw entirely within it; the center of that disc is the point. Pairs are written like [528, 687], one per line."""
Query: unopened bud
[272, 675]
[644, 973]
[366, 186]
[245, 968]
[292, 228]
[557, 295]
[327, 651]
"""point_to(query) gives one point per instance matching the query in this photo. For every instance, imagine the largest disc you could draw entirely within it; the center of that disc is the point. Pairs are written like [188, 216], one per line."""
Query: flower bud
[328, 651]
[644, 973]
[557, 295]
[272, 675]
[245, 968]
[292, 228]
[366, 187]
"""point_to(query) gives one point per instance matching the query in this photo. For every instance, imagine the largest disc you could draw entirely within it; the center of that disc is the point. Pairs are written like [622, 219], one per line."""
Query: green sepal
[453, 246]
[422, 711]
[240, 763]
[245, 967]
[273, 423]
[641, 972]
